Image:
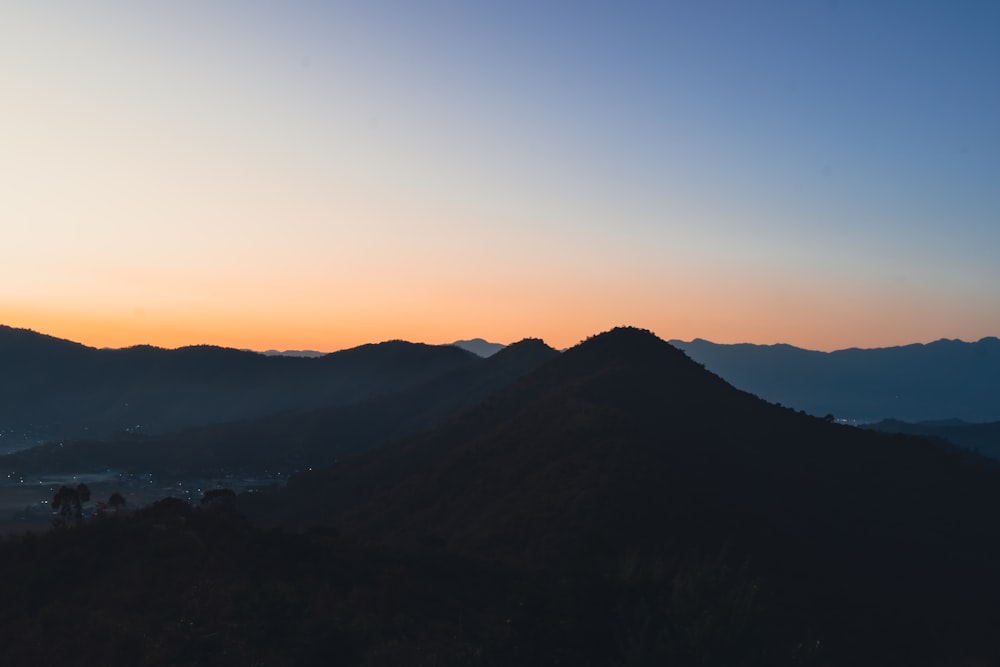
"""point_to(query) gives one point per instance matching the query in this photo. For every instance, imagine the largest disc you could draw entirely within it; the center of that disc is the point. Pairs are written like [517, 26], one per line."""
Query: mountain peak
[630, 344]
[626, 334]
[524, 350]
[479, 346]
[528, 343]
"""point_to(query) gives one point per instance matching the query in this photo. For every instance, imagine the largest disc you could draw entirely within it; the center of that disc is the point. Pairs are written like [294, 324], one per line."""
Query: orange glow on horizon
[407, 185]
[561, 324]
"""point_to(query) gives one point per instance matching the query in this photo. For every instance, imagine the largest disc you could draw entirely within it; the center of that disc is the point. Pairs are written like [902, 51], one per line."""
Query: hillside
[623, 458]
[616, 504]
[946, 379]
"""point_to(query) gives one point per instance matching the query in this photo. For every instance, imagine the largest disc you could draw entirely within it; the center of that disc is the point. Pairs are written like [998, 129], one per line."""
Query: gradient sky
[323, 174]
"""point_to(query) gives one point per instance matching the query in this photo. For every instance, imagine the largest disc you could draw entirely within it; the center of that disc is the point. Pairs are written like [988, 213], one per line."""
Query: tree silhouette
[116, 500]
[62, 502]
[69, 503]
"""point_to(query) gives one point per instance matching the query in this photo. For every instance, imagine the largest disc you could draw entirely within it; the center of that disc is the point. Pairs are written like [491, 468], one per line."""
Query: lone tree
[69, 501]
[116, 500]
[82, 492]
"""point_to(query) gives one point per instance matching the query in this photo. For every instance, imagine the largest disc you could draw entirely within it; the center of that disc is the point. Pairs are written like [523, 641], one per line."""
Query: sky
[317, 175]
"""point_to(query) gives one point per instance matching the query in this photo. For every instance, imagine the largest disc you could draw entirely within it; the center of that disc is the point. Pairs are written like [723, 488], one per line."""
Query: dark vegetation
[68, 504]
[178, 585]
[619, 505]
[946, 379]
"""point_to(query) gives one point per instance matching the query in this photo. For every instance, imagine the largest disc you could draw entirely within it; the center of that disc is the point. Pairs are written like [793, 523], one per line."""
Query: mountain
[479, 346]
[294, 439]
[617, 505]
[292, 353]
[55, 389]
[622, 460]
[946, 379]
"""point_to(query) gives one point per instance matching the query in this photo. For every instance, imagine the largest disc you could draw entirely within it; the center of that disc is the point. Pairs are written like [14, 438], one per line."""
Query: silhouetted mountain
[291, 440]
[54, 389]
[946, 379]
[292, 353]
[618, 505]
[981, 438]
[622, 458]
[479, 346]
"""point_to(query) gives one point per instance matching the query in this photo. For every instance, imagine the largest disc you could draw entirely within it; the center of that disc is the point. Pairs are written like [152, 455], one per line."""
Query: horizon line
[277, 351]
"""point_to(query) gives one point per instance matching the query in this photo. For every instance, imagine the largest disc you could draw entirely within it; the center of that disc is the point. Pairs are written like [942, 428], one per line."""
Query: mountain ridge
[294, 439]
[617, 503]
[479, 346]
[54, 389]
[944, 379]
[623, 449]
[45, 375]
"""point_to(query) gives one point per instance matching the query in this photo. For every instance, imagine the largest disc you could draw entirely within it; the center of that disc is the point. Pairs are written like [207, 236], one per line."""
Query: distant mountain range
[946, 379]
[293, 439]
[55, 389]
[290, 353]
[983, 438]
[479, 346]
[614, 504]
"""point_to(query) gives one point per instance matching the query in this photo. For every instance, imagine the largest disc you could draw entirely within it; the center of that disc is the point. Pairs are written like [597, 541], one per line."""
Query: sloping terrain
[617, 505]
[623, 454]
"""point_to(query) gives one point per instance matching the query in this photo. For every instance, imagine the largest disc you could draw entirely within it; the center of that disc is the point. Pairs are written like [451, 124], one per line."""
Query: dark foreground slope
[946, 379]
[618, 506]
[55, 389]
[624, 459]
[173, 585]
[291, 440]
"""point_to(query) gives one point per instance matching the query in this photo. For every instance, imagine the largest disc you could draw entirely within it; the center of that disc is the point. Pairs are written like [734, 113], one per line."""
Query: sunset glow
[321, 175]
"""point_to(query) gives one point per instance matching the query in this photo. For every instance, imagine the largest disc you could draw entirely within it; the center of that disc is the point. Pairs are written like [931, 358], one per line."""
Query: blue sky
[320, 174]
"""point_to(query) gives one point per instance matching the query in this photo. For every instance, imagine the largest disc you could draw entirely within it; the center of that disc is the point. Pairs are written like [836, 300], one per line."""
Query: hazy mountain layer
[478, 346]
[291, 440]
[55, 389]
[981, 438]
[946, 379]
